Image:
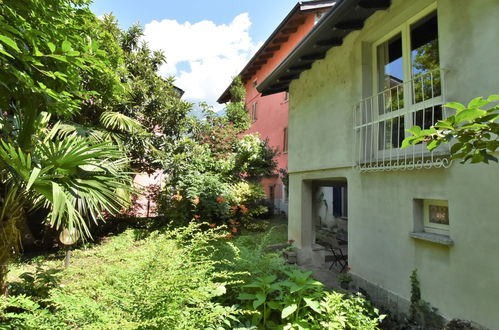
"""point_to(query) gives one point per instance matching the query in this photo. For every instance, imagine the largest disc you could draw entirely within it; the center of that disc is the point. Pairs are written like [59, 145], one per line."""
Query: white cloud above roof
[203, 56]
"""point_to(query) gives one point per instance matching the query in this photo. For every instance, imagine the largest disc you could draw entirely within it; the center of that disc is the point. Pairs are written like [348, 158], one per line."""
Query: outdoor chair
[329, 240]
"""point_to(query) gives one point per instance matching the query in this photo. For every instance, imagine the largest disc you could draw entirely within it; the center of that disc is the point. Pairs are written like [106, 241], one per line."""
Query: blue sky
[205, 42]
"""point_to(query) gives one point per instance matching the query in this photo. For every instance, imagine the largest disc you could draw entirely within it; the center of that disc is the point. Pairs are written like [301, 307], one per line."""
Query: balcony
[380, 124]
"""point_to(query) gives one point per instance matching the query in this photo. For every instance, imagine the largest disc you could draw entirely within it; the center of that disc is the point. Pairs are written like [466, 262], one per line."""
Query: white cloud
[203, 56]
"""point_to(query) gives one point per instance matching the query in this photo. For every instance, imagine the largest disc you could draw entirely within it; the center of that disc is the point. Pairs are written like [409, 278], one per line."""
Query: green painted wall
[461, 280]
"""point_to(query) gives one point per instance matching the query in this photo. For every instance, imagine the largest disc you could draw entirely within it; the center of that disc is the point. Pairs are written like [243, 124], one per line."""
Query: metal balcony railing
[380, 124]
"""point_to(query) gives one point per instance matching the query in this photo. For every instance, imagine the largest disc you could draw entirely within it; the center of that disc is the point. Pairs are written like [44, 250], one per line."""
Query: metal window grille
[380, 124]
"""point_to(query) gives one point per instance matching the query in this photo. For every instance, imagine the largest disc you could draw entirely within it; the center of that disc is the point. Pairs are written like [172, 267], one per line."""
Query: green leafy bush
[299, 302]
[339, 311]
[164, 281]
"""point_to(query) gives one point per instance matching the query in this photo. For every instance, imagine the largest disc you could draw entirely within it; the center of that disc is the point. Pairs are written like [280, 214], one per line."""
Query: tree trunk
[11, 214]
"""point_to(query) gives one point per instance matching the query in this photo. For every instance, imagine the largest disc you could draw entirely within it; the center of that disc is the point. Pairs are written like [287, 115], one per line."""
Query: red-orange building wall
[272, 111]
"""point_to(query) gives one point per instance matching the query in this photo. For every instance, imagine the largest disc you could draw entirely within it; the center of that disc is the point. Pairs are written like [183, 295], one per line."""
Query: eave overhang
[280, 35]
[345, 17]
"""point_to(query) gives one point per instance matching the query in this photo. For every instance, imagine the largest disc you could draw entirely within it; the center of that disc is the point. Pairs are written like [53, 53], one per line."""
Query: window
[285, 140]
[436, 216]
[411, 55]
[253, 111]
[407, 84]
[431, 221]
[255, 83]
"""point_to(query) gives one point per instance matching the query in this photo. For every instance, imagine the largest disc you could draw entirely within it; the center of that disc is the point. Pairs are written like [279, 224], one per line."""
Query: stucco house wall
[460, 280]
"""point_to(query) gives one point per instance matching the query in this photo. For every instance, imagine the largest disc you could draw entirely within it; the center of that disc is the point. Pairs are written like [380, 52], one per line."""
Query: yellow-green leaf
[9, 42]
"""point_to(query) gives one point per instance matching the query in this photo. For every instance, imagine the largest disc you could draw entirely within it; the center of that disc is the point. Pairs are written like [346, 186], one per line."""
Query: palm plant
[75, 178]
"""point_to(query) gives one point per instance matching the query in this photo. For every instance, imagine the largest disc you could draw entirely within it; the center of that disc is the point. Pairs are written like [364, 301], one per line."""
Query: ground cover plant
[184, 278]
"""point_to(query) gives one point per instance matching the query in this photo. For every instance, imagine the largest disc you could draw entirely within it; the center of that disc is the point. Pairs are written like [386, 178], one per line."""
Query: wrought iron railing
[380, 124]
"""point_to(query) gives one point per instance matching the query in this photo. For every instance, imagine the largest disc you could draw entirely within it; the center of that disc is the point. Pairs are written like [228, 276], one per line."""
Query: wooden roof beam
[280, 40]
[350, 25]
[375, 4]
[313, 56]
[332, 42]
[289, 30]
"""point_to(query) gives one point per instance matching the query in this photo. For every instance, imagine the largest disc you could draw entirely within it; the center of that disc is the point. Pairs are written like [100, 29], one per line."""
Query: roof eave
[225, 96]
[340, 21]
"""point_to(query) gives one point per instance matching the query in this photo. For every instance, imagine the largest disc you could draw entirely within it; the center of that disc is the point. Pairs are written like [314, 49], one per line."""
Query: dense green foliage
[473, 129]
[124, 284]
[129, 289]
[236, 109]
[143, 114]
[51, 64]
[213, 174]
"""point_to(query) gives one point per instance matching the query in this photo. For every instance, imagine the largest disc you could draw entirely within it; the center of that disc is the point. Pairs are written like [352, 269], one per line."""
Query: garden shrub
[207, 197]
[164, 281]
[185, 278]
[339, 311]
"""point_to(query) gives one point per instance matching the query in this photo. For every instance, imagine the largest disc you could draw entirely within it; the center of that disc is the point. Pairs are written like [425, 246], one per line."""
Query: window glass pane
[425, 59]
[427, 117]
[390, 75]
[391, 133]
[439, 214]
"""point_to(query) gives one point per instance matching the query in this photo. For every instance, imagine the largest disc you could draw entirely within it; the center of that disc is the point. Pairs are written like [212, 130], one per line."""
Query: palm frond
[66, 129]
[76, 179]
[118, 121]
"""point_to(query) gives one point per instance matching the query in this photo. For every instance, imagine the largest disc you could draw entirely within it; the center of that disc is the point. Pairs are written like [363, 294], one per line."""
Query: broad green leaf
[444, 124]
[313, 304]
[455, 105]
[260, 299]
[456, 147]
[415, 131]
[288, 310]
[9, 42]
[66, 46]
[269, 279]
[274, 305]
[51, 46]
[433, 144]
[469, 115]
[491, 118]
[477, 102]
[73, 53]
[407, 142]
[246, 296]
[493, 97]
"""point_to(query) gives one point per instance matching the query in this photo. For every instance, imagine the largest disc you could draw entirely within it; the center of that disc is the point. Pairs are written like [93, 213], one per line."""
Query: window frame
[253, 111]
[285, 140]
[431, 227]
[410, 108]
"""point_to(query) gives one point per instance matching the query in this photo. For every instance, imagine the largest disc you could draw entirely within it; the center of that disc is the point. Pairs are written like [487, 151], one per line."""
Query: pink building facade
[269, 114]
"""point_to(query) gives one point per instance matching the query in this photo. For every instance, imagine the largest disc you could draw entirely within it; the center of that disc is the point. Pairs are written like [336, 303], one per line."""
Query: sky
[206, 43]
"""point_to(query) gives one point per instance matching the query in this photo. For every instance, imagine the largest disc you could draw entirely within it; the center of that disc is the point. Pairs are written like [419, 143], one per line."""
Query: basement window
[432, 221]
